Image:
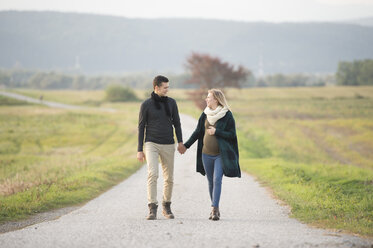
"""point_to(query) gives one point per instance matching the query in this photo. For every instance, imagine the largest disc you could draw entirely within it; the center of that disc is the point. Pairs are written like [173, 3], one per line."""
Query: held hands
[181, 148]
[211, 130]
[141, 156]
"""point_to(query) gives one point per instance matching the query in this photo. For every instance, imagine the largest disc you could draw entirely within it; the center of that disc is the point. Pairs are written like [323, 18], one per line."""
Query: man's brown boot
[215, 213]
[167, 210]
[152, 211]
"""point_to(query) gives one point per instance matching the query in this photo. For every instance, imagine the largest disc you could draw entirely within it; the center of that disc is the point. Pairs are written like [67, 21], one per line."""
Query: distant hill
[362, 21]
[96, 43]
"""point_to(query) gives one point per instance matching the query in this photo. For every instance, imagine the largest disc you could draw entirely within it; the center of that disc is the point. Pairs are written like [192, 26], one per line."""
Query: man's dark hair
[158, 80]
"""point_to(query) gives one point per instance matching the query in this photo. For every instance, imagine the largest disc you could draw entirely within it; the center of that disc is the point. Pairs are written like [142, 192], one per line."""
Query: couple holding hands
[217, 151]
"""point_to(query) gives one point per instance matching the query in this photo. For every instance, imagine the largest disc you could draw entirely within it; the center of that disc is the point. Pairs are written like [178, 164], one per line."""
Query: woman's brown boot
[215, 213]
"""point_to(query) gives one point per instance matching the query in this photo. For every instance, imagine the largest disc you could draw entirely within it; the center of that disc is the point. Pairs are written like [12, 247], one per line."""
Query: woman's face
[211, 101]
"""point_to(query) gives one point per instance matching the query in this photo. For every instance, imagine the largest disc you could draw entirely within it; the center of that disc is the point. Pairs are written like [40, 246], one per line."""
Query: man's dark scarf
[164, 99]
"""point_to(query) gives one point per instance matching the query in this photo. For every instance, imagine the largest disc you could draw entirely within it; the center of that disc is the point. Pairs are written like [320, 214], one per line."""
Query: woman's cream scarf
[214, 115]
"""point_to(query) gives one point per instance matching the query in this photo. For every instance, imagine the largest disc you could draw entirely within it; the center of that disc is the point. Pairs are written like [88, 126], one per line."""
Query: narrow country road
[49, 103]
[249, 217]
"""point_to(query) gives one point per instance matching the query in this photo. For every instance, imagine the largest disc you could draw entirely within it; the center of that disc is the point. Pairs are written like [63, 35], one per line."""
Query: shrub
[117, 93]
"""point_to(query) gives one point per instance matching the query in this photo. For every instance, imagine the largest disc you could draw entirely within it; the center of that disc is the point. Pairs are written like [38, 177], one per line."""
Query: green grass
[313, 147]
[326, 195]
[51, 158]
[7, 101]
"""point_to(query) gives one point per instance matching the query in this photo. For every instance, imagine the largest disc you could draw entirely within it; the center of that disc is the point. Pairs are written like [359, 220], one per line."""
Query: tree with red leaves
[211, 72]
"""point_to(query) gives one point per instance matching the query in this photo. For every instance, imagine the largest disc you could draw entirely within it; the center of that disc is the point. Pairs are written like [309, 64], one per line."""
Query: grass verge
[52, 158]
[332, 196]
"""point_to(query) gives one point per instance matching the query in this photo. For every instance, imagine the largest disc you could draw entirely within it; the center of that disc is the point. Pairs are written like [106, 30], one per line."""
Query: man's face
[162, 90]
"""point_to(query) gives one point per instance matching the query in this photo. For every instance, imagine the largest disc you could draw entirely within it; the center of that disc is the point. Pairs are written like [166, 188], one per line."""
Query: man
[158, 115]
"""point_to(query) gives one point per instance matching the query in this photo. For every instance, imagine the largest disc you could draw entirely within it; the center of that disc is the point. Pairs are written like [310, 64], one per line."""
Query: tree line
[358, 72]
[18, 78]
[11, 78]
[202, 71]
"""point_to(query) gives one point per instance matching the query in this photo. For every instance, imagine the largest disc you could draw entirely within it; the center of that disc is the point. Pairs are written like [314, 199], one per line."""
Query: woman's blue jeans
[214, 174]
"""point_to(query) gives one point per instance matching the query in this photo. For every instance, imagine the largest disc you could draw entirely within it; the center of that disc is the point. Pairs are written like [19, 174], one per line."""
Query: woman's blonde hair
[219, 96]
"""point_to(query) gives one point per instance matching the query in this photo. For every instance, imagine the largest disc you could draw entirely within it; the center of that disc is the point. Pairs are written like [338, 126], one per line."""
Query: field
[313, 147]
[50, 158]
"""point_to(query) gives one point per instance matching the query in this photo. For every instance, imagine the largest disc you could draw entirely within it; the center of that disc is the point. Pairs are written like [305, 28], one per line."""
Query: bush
[358, 72]
[117, 93]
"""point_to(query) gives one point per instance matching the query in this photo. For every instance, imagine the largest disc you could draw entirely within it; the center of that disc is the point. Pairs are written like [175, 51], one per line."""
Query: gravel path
[250, 217]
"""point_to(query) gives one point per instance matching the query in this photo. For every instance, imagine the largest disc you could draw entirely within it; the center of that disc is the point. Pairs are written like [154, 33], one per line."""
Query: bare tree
[211, 72]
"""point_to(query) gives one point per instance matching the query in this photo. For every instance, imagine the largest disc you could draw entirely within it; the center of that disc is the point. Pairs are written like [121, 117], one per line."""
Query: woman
[217, 152]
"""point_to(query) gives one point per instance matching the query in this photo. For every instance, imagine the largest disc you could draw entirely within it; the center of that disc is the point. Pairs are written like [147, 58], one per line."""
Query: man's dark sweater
[157, 124]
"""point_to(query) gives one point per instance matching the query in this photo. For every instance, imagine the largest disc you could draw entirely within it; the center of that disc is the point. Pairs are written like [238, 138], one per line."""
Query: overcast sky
[241, 10]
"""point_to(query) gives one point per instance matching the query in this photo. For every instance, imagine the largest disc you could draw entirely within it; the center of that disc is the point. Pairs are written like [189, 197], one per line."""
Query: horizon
[188, 18]
[238, 10]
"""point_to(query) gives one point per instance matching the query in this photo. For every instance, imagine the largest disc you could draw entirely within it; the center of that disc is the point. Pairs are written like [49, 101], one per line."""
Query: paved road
[49, 103]
[250, 217]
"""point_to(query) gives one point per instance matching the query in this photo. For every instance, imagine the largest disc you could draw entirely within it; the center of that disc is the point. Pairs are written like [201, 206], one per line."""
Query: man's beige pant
[166, 153]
